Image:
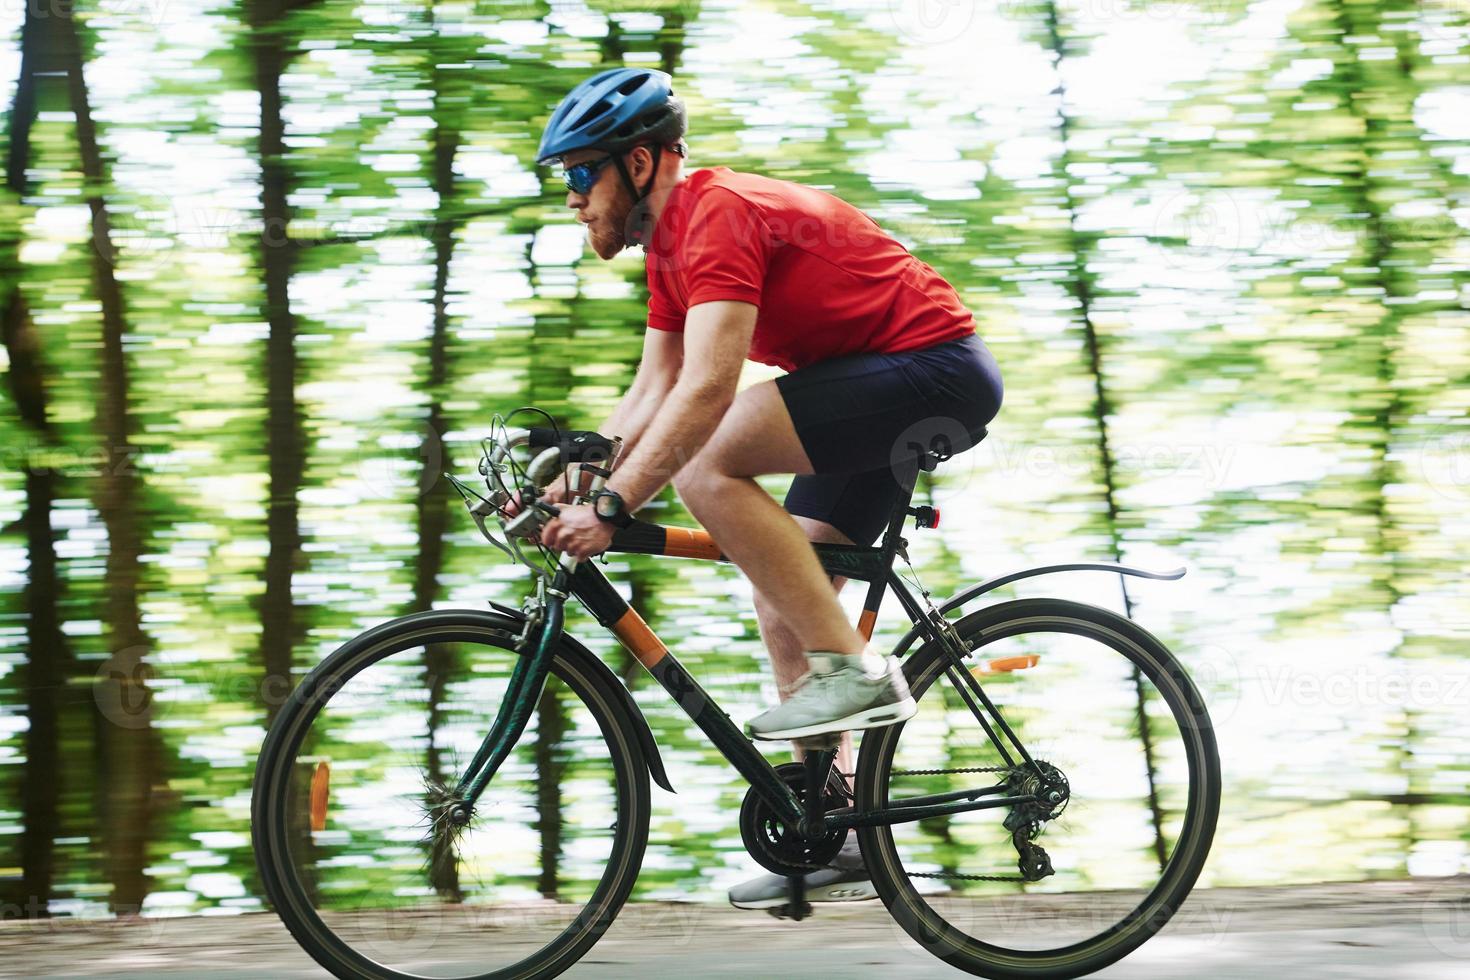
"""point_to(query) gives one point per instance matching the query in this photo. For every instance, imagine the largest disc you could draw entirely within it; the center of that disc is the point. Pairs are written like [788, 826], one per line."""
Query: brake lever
[526, 524]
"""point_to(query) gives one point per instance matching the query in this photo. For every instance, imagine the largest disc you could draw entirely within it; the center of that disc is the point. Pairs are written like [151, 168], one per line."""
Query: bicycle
[397, 838]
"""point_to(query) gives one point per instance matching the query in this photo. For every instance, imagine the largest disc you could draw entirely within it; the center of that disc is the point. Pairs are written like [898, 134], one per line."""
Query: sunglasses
[580, 177]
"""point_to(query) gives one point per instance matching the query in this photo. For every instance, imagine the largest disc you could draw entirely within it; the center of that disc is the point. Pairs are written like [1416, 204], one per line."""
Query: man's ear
[640, 164]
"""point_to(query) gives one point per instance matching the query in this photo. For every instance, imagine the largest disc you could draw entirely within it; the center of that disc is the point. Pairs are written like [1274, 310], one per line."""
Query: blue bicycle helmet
[614, 110]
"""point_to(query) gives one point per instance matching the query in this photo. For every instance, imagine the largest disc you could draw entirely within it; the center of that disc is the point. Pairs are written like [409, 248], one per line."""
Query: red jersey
[827, 279]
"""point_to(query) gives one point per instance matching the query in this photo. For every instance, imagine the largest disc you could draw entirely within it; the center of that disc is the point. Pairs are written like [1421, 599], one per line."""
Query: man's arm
[715, 341]
[663, 356]
[663, 353]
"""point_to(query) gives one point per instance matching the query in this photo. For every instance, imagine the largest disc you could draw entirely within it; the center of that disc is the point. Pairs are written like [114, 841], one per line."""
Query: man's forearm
[632, 417]
[629, 419]
[683, 423]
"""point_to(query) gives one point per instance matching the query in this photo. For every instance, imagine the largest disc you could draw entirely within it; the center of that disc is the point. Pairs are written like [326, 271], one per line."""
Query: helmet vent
[630, 86]
[592, 113]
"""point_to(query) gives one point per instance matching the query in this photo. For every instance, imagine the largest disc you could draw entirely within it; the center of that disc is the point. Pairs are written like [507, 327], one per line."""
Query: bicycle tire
[972, 954]
[271, 825]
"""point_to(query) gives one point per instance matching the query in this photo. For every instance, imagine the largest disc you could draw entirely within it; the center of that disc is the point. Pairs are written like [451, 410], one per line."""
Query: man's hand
[578, 531]
[556, 492]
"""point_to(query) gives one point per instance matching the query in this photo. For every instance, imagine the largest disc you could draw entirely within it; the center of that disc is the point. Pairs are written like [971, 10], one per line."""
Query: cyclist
[880, 354]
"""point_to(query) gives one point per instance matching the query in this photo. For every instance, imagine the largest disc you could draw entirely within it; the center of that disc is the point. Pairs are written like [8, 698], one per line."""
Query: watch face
[606, 506]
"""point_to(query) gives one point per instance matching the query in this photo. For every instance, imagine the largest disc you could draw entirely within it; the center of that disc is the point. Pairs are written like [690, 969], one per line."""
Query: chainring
[779, 848]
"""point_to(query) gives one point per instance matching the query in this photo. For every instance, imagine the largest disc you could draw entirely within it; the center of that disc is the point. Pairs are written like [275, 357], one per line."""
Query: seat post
[907, 479]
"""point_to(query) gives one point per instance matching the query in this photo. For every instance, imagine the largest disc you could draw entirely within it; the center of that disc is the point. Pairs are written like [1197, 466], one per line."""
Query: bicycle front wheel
[351, 828]
[1113, 727]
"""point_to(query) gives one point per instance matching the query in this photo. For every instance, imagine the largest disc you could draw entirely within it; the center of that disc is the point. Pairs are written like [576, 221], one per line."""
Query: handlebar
[576, 446]
[557, 450]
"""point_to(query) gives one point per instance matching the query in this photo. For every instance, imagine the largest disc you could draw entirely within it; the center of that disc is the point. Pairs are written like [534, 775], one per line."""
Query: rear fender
[959, 599]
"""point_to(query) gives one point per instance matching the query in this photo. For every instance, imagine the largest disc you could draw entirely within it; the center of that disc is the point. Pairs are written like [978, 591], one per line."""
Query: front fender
[960, 598]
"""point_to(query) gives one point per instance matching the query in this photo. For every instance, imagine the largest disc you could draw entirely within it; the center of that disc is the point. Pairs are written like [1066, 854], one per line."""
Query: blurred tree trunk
[38, 56]
[1080, 245]
[285, 441]
[549, 383]
[48, 660]
[128, 751]
[433, 491]
[551, 728]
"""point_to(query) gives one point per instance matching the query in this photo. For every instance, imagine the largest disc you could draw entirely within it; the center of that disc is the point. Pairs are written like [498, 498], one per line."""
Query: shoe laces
[810, 685]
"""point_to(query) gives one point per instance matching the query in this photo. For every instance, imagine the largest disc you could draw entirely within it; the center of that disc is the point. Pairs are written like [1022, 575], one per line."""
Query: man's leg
[788, 660]
[756, 437]
[846, 878]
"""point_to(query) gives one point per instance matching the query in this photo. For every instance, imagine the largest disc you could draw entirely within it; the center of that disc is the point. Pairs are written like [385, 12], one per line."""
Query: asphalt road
[1417, 930]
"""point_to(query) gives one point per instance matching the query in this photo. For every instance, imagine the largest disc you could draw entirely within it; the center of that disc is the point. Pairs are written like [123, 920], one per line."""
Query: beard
[617, 229]
[606, 236]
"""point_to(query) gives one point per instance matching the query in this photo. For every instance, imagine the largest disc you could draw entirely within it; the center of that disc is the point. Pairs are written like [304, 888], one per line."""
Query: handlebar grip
[576, 446]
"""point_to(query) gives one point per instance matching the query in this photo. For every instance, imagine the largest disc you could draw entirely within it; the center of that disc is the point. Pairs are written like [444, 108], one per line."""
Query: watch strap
[622, 518]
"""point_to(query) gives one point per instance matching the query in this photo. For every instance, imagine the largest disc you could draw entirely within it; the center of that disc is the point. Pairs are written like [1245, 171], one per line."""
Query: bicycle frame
[874, 565]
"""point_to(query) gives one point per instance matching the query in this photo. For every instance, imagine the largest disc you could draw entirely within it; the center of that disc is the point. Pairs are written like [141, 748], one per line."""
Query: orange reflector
[319, 780]
[1004, 665]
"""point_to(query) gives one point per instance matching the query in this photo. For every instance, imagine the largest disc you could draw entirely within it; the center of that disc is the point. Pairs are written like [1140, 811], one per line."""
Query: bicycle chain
[952, 875]
[945, 772]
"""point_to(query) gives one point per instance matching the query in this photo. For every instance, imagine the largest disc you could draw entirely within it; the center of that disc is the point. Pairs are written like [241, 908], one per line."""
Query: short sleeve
[726, 250]
[663, 313]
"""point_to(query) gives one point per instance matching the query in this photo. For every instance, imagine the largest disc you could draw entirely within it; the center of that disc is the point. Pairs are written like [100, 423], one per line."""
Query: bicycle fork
[527, 680]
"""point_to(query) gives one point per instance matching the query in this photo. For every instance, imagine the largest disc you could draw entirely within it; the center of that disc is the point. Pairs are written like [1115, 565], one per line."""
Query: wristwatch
[609, 507]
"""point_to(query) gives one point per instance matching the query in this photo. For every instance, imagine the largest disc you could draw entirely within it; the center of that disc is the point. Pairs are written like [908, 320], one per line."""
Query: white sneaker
[839, 694]
[844, 880]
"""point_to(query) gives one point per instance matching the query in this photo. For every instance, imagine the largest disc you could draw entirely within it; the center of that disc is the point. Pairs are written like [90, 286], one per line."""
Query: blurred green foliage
[1218, 248]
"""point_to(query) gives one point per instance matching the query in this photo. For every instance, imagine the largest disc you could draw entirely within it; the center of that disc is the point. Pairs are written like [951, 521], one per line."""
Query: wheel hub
[1050, 788]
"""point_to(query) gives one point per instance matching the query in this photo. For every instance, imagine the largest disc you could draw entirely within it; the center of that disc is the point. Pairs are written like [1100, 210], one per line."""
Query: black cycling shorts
[864, 418]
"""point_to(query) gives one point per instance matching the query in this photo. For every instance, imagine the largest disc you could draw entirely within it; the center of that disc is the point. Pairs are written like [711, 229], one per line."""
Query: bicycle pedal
[795, 913]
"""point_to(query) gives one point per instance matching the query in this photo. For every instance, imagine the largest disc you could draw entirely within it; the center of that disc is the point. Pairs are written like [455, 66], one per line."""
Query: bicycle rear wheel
[1115, 715]
[350, 826]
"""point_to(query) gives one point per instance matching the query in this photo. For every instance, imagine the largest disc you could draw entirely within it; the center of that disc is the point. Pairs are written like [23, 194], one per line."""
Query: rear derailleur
[1025, 821]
